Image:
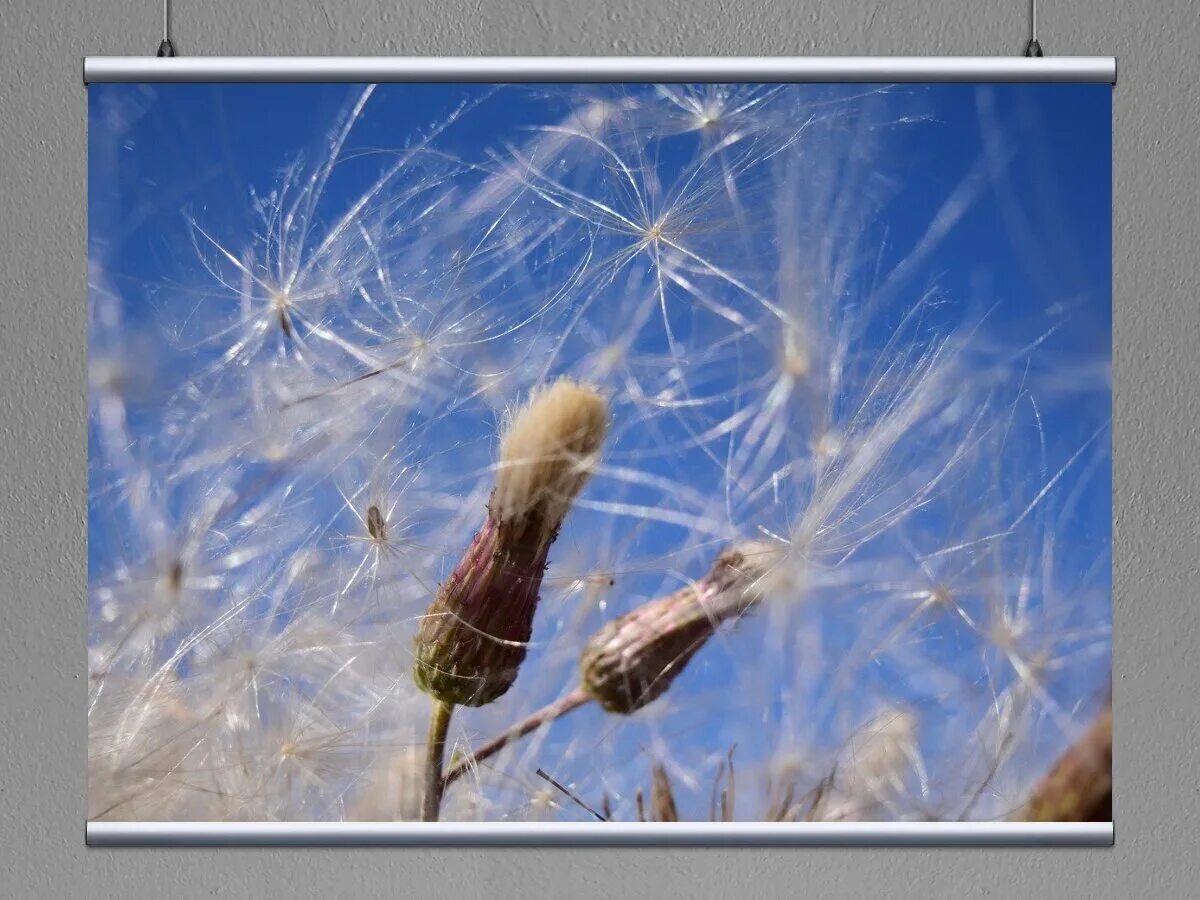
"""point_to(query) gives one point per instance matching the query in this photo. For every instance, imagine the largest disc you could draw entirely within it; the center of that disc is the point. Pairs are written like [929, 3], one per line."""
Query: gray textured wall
[42, 445]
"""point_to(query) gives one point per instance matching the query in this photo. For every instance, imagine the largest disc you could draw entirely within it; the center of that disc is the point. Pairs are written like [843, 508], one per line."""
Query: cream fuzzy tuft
[548, 452]
[756, 562]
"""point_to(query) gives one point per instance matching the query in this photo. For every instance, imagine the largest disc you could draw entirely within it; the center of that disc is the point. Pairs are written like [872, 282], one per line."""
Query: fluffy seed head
[473, 637]
[548, 453]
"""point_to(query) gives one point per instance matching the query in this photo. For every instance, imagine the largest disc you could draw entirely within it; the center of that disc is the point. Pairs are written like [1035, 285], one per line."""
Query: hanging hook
[1033, 48]
[166, 48]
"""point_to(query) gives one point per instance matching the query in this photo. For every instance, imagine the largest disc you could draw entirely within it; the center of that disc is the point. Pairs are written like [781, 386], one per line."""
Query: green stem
[536, 720]
[435, 752]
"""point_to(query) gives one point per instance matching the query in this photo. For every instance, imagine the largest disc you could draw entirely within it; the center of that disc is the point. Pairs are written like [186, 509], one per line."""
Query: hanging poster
[568, 457]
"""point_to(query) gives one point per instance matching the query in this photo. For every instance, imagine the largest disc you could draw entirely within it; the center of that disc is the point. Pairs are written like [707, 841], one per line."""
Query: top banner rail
[596, 69]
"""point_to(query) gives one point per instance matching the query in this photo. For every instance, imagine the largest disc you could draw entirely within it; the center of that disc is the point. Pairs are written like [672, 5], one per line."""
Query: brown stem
[533, 722]
[435, 751]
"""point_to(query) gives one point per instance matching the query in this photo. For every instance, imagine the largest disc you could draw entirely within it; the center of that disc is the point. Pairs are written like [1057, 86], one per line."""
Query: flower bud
[472, 639]
[632, 660]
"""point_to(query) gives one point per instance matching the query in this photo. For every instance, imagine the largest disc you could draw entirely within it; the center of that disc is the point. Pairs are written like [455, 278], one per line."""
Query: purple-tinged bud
[473, 637]
[632, 660]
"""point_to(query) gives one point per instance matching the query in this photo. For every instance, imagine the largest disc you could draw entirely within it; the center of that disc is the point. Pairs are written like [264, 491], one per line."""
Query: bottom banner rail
[811, 834]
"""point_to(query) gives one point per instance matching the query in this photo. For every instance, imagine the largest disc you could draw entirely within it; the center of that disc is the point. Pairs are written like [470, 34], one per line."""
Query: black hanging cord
[1033, 48]
[166, 48]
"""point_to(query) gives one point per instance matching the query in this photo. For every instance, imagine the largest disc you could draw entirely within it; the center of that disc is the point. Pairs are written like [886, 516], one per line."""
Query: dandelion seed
[279, 300]
[376, 527]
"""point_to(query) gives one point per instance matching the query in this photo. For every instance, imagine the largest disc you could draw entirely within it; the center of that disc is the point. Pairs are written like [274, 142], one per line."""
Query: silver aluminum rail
[602, 834]
[871, 69]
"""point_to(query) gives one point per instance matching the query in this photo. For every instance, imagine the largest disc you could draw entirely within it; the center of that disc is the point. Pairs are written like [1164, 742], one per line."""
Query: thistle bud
[473, 637]
[632, 660]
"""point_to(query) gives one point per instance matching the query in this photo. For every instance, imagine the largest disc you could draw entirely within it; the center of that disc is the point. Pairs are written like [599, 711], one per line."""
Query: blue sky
[198, 150]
